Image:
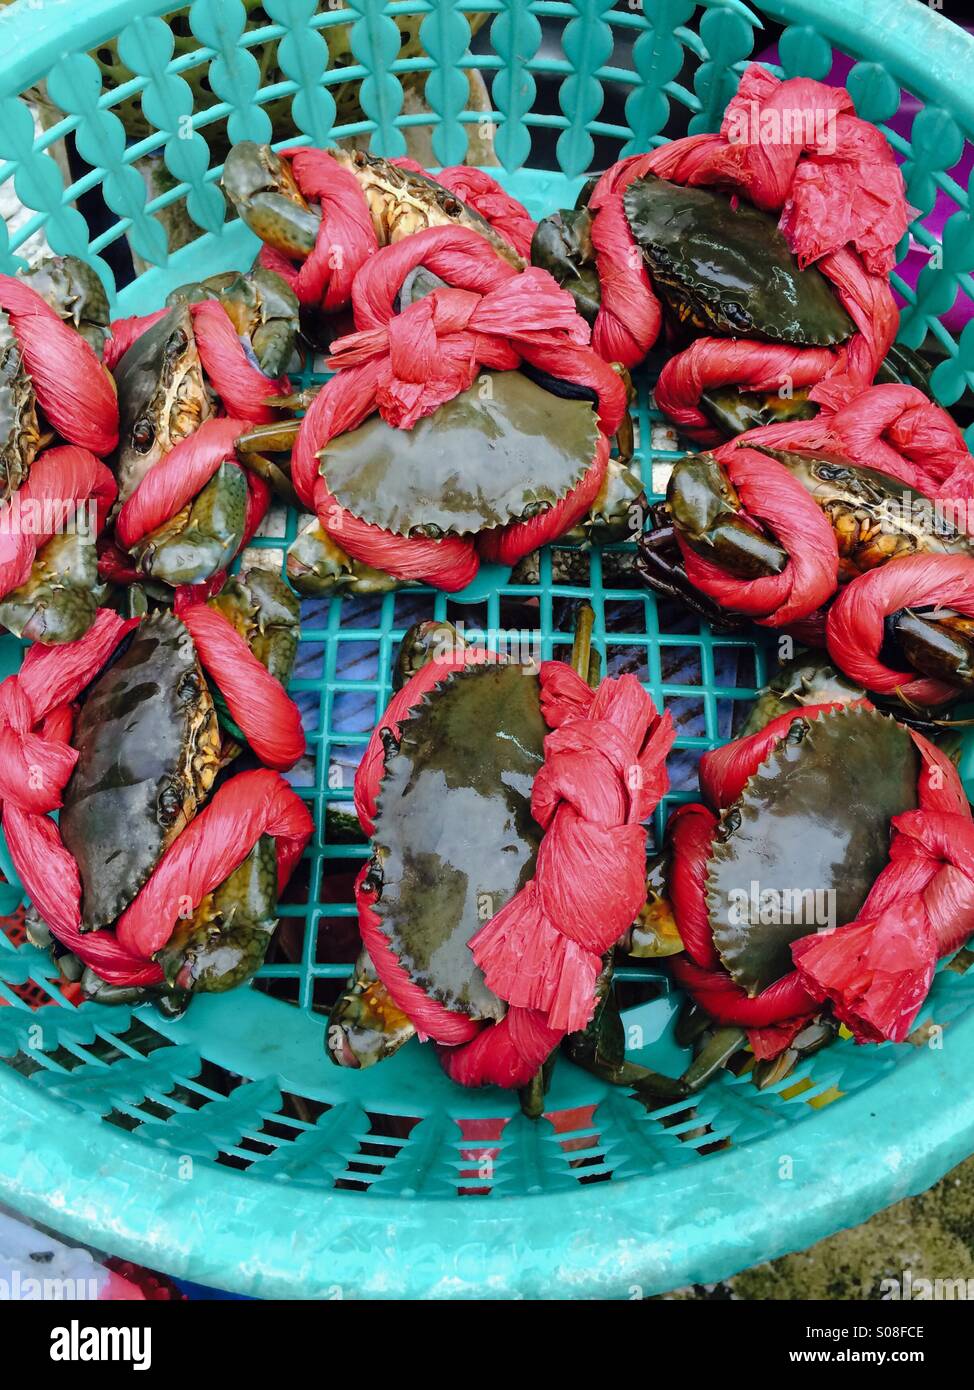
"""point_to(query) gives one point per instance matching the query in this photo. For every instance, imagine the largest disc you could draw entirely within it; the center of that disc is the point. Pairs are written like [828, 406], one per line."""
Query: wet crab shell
[148, 743]
[454, 837]
[814, 817]
[504, 450]
[162, 396]
[401, 201]
[20, 434]
[726, 269]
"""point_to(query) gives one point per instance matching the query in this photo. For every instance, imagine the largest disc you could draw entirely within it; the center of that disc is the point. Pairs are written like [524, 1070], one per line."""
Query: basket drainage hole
[681, 665]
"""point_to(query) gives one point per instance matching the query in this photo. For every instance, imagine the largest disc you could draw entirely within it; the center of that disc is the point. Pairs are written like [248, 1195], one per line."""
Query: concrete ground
[931, 1236]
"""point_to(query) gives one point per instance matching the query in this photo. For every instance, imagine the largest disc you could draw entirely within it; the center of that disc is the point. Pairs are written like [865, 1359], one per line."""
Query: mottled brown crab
[262, 188]
[20, 432]
[261, 306]
[872, 527]
[163, 398]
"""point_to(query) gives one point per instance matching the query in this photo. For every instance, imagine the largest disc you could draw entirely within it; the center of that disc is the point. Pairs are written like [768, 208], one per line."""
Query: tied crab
[150, 752]
[409, 482]
[808, 833]
[430, 893]
[262, 308]
[787, 888]
[703, 516]
[765, 258]
[148, 746]
[163, 399]
[263, 190]
[719, 268]
[431, 929]
[75, 293]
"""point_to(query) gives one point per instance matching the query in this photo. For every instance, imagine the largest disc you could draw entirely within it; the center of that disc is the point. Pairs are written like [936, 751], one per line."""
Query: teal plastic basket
[225, 1147]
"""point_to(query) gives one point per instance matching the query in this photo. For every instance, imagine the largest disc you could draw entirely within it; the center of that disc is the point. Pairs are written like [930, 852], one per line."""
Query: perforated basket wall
[226, 1147]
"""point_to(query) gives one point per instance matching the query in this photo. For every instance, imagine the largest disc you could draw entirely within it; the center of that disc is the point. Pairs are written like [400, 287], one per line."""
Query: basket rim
[335, 1244]
[932, 54]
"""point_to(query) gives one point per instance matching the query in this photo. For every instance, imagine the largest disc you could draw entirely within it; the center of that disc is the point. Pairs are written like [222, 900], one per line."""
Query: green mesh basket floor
[226, 1147]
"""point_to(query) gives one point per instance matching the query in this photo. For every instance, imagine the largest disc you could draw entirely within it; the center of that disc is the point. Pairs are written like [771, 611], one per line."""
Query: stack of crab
[824, 511]
[469, 420]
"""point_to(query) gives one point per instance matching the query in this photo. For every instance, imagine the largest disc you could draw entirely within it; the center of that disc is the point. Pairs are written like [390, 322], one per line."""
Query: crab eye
[736, 314]
[176, 345]
[170, 804]
[834, 473]
[143, 435]
[188, 687]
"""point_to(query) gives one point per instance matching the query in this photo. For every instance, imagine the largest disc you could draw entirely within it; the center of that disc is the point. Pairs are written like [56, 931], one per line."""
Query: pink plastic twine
[603, 773]
[346, 237]
[895, 429]
[258, 703]
[406, 365]
[855, 627]
[73, 389]
[36, 760]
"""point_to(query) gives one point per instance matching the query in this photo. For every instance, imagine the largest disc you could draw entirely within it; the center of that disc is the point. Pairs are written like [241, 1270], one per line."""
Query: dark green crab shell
[815, 816]
[162, 396]
[728, 270]
[148, 743]
[501, 451]
[454, 837]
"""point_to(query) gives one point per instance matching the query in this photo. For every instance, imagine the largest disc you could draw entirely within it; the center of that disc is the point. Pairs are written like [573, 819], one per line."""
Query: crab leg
[275, 438]
[625, 438]
[939, 645]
